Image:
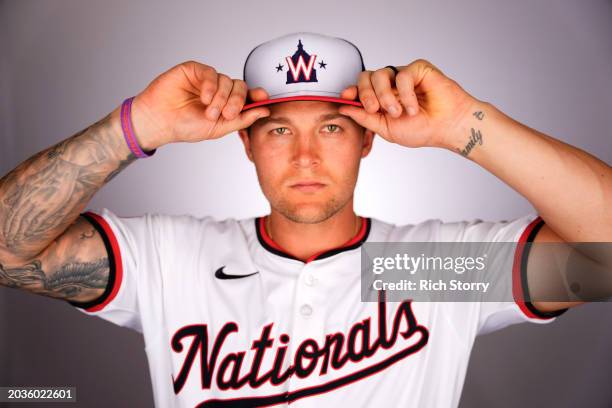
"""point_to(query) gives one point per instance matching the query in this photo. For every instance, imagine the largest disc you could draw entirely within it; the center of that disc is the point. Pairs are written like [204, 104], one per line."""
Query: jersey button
[310, 280]
[306, 310]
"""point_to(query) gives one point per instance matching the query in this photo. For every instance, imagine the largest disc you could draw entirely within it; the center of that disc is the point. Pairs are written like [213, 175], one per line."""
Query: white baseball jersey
[230, 319]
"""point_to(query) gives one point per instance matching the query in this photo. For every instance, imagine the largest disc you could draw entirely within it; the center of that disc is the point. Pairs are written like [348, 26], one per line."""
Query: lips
[308, 186]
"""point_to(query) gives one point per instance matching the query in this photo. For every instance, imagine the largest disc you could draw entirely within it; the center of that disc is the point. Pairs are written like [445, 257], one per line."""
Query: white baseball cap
[303, 67]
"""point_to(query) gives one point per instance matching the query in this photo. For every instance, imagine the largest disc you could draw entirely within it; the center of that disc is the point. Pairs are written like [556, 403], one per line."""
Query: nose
[306, 152]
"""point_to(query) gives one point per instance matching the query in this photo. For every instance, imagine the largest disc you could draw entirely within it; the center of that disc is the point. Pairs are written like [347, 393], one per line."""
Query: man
[268, 311]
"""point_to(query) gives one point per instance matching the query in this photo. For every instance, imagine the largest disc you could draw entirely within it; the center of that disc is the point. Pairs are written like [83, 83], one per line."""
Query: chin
[309, 215]
[308, 212]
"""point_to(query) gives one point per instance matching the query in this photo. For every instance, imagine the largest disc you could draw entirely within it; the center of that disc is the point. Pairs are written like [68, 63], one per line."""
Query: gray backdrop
[65, 64]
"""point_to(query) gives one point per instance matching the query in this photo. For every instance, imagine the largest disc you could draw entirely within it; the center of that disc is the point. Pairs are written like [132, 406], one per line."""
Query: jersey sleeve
[509, 278]
[129, 243]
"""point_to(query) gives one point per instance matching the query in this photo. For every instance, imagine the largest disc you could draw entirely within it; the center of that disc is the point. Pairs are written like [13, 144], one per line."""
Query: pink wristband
[128, 131]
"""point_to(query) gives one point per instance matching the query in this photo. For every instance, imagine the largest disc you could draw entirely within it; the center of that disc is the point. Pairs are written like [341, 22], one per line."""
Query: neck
[304, 240]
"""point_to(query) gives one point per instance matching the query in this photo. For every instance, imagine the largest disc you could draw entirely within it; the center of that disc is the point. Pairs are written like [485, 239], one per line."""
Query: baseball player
[268, 311]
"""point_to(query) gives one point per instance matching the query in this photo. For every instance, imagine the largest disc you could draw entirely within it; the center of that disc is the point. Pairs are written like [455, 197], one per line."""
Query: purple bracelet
[128, 132]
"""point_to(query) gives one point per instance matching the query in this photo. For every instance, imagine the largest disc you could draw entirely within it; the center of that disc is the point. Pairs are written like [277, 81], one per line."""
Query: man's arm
[46, 193]
[570, 189]
[74, 266]
[45, 247]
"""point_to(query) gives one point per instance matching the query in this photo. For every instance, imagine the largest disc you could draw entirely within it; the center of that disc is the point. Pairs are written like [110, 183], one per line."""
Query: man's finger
[424, 77]
[350, 92]
[405, 86]
[208, 85]
[258, 94]
[366, 92]
[244, 120]
[236, 100]
[372, 121]
[224, 88]
[381, 81]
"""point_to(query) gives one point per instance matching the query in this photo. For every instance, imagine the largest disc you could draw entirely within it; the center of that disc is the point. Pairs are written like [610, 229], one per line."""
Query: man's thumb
[248, 117]
[367, 120]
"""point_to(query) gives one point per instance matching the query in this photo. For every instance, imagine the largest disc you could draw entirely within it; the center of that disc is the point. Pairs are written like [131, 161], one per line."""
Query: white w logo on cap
[301, 66]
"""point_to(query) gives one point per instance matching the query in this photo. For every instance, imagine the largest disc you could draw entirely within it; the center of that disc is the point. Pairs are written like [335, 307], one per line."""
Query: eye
[332, 128]
[280, 131]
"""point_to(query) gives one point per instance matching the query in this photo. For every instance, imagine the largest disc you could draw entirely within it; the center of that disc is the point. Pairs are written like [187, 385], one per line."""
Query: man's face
[304, 142]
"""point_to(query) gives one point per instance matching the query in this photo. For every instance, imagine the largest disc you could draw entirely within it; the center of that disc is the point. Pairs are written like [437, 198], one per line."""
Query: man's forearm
[42, 196]
[570, 189]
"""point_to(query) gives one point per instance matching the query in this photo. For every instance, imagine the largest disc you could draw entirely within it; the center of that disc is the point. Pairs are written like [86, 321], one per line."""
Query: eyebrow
[283, 119]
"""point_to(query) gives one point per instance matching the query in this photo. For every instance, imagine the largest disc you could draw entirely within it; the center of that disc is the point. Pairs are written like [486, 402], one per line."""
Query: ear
[246, 140]
[368, 140]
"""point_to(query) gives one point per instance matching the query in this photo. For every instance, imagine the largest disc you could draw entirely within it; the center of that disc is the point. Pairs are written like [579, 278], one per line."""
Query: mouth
[307, 186]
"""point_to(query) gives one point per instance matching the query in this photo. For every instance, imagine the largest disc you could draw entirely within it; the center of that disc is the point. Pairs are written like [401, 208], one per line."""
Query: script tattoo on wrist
[475, 138]
[45, 193]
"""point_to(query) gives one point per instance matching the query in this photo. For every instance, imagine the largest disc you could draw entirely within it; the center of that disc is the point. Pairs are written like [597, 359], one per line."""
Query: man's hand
[418, 107]
[189, 103]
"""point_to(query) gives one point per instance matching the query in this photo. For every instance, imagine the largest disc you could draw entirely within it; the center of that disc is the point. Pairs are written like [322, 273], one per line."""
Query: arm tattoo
[475, 138]
[67, 282]
[42, 196]
[86, 235]
[479, 115]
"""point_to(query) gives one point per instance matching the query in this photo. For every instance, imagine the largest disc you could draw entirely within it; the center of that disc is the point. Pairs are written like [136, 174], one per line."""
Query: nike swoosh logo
[219, 274]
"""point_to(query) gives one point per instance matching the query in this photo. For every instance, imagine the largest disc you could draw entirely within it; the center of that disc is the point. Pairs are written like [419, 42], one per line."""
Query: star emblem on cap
[322, 65]
[279, 67]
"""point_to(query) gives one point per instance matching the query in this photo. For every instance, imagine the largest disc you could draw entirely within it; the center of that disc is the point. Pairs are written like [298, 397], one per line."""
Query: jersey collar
[355, 242]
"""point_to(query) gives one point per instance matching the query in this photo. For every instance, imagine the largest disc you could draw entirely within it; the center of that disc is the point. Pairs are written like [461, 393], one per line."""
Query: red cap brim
[303, 98]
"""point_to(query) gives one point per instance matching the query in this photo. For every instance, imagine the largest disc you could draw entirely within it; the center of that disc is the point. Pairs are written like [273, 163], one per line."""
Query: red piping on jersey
[264, 234]
[117, 258]
[518, 291]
